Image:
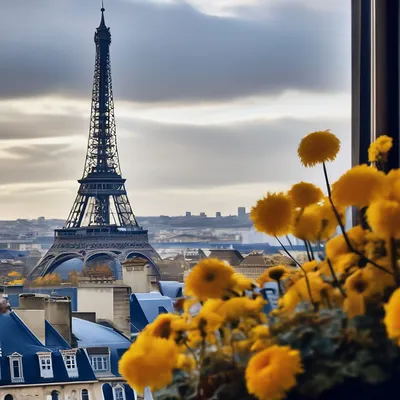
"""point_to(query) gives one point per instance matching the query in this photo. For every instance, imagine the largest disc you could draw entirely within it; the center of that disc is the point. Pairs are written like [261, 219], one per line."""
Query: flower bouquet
[335, 333]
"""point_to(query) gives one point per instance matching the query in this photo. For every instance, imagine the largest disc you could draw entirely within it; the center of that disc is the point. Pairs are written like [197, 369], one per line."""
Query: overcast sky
[212, 98]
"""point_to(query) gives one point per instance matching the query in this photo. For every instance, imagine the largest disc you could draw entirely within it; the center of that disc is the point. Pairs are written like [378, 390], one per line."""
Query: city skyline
[238, 122]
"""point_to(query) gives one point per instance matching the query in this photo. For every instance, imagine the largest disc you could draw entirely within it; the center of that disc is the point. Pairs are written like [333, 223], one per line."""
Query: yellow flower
[304, 194]
[149, 362]
[261, 337]
[161, 326]
[210, 278]
[298, 292]
[242, 346]
[373, 152]
[307, 224]
[273, 214]
[242, 283]
[381, 279]
[354, 305]
[195, 338]
[338, 246]
[185, 362]
[359, 186]
[361, 282]
[392, 316]
[329, 220]
[310, 266]
[271, 373]
[384, 218]
[273, 274]
[210, 317]
[318, 147]
[345, 262]
[260, 332]
[379, 148]
[239, 307]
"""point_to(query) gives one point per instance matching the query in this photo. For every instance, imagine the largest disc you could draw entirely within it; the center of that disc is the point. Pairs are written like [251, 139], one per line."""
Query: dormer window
[99, 359]
[69, 357]
[17, 373]
[45, 365]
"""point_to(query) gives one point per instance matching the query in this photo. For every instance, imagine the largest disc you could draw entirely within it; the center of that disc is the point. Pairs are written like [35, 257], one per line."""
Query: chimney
[59, 314]
[34, 308]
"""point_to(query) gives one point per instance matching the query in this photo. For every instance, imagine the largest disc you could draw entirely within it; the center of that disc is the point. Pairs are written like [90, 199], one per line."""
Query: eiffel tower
[101, 221]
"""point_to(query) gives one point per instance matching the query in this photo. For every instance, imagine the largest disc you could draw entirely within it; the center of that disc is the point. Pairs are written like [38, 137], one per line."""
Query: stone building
[256, 263]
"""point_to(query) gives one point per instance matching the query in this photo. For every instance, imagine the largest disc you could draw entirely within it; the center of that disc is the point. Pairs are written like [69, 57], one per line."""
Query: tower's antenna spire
[102, 23]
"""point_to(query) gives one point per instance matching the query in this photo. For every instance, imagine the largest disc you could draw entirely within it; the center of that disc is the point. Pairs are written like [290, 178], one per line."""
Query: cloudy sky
[212, 98]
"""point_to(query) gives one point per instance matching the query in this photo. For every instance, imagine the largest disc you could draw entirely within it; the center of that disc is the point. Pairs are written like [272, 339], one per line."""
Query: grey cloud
[41, 163]
[166, 156]
[173, 156]
[17, 126]
[172, 52]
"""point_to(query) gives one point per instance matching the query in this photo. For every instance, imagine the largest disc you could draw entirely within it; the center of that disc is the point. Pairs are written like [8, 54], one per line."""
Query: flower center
[360, 286]
[276, 275]
[209, 277]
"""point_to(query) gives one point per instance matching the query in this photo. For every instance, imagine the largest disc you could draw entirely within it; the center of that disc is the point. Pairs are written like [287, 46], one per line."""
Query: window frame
[105, 360]
[87, 393]
[45, 365]
[16, 357]
[70, 362]
[122, 389]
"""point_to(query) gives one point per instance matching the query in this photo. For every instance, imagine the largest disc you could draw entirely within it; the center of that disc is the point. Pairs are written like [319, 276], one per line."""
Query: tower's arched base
[88, 244]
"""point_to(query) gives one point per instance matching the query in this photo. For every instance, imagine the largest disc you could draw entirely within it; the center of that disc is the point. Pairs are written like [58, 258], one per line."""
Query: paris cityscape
[199, 200]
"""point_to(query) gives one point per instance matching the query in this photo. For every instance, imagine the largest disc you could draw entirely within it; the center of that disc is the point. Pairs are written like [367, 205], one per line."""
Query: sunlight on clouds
[292, 104]
[23, 187]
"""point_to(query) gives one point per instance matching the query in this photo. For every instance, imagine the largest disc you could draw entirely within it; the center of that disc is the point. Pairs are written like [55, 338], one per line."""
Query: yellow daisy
[210, 278]
[318, 147]
[271, 373]
[304, 194]
[273, 214]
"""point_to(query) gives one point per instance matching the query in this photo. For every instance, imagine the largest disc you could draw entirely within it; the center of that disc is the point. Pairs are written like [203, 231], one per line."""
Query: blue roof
[89, 334]
[7, 254]
[53, 339]
[172, 289]
[145, 307]
[15, 337]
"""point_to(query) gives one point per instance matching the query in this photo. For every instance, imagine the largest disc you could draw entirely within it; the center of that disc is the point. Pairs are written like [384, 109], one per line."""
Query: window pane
[85, 394]
[119, 394]
[16, 368]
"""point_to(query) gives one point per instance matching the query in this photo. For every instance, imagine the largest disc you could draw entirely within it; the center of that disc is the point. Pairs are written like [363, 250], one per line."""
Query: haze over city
[212, 98]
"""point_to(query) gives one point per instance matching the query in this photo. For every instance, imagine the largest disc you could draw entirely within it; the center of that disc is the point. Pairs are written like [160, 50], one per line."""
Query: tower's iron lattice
[101, 221]
[102, 198]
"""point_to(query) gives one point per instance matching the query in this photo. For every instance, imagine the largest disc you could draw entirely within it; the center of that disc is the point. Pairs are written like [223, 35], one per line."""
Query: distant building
[188, 214]
[173, 270]
[203, 214]
[256, 263]
[241, 212]
[231, 256]
[218, 214]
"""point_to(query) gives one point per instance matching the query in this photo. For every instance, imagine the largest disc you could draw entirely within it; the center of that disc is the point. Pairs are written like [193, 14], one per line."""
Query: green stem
[302, 269]
[342, 228]
[311, 250]
[308, 252]
[335, 278]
